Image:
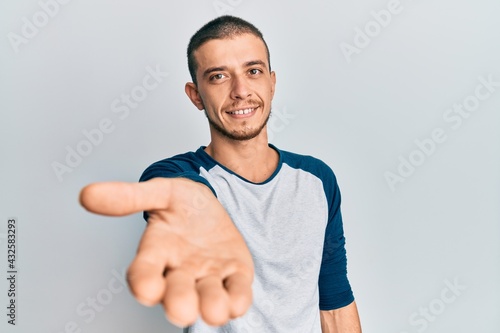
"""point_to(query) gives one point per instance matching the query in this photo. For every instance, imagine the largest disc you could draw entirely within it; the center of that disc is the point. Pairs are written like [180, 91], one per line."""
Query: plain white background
[360, 113]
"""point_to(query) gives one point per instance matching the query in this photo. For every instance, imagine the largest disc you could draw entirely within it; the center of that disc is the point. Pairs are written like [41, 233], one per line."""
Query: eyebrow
[255, 62]
[210, 70]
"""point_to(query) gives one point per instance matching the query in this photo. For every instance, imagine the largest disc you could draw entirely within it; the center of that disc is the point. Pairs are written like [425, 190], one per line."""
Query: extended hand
[191, 257]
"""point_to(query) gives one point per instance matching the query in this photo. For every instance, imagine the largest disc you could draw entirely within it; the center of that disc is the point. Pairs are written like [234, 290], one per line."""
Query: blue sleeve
[184, 166]
[334, 288]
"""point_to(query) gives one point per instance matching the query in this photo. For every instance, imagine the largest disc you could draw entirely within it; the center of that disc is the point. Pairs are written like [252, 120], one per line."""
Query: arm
[342, 320]
[334, 286]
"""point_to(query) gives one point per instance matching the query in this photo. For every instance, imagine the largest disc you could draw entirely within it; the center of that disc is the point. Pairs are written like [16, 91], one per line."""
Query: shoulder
[178, 160]
[309, 164]
[180, 163]
[318, 169]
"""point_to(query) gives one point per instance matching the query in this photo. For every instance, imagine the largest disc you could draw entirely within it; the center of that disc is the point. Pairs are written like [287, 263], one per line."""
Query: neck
[251, 159]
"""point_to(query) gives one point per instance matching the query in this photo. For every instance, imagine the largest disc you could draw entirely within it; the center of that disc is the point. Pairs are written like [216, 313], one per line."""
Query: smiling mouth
[242, 111]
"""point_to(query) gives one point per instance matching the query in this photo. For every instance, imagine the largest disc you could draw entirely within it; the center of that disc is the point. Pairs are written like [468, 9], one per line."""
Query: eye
[255, 71]
[216, 77]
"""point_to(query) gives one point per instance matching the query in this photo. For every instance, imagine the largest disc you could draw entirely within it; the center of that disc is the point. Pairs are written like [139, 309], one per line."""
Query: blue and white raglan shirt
[292, 226]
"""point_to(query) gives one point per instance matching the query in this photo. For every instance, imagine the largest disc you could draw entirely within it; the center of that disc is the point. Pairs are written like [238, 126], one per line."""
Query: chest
[281, 220]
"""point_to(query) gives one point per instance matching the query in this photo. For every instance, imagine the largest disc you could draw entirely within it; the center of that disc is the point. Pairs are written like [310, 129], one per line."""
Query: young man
[239, 216]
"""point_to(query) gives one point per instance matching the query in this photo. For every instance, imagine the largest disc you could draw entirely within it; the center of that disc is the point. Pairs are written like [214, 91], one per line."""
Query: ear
[193, 94]
[273, 83]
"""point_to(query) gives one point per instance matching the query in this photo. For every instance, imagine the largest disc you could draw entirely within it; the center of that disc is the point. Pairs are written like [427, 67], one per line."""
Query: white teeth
[245, 111]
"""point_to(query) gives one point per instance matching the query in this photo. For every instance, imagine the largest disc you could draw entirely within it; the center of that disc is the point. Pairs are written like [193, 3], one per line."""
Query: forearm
[343, 320]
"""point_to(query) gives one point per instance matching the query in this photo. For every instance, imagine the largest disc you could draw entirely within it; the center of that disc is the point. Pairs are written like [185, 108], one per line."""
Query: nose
[240, 88]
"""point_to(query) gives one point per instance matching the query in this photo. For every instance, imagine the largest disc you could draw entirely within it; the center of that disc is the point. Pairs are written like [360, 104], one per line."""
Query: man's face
[235, 87]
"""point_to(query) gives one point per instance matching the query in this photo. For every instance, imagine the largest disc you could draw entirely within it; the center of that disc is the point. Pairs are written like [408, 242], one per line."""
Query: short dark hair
[222, 27]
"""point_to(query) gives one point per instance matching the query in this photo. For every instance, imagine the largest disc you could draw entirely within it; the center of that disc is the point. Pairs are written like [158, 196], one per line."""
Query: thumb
[121, 198]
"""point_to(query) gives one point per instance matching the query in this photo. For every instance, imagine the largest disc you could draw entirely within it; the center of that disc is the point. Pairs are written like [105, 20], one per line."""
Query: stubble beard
[237, 135]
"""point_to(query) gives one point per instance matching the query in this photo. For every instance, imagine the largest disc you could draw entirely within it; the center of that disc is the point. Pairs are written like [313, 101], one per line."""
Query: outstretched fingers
[146, 274]
[181, 302]
[190, 293]
[146, 281]
[214, 300]
[171, 266]
[239, 290]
